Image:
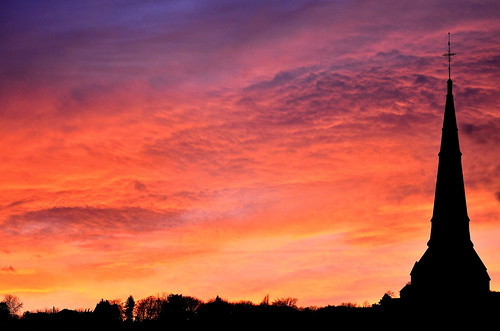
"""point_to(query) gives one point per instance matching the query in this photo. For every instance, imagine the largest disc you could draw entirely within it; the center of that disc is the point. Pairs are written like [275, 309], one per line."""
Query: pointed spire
[450, 222]
[449, 137]
[450, 122]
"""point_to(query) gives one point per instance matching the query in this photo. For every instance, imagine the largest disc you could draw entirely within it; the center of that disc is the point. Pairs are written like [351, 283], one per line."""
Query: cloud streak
[81, 220]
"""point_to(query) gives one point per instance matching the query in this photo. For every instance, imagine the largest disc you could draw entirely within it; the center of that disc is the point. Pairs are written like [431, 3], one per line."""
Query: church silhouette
[450, 270]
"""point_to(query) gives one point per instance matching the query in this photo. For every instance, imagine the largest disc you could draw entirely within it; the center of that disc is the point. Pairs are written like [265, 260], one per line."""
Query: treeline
[179, 312]
[176, 311]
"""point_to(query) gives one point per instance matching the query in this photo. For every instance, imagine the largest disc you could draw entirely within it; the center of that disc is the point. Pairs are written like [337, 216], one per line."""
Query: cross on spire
[449, 55]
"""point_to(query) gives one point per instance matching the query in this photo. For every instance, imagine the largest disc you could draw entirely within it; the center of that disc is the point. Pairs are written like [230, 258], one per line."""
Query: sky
[237, 148]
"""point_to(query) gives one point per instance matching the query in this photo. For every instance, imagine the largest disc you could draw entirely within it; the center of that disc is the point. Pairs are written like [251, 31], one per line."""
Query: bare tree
[148, 308]
[13, 303]
[286, 302]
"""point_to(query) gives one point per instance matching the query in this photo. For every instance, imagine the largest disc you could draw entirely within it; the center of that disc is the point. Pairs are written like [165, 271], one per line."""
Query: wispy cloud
[85, 220]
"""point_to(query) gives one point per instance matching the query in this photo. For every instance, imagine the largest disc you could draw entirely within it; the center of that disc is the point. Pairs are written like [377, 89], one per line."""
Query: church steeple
[450, 267]
[450, 222]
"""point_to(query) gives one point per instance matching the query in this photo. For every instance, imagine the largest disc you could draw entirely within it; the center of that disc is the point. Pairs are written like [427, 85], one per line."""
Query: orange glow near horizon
[294, 154]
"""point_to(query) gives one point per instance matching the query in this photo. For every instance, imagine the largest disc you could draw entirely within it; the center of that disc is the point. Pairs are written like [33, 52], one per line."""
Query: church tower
[450, 267]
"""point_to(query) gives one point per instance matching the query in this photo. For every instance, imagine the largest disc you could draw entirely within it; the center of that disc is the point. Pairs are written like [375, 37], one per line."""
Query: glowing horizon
[237, 150]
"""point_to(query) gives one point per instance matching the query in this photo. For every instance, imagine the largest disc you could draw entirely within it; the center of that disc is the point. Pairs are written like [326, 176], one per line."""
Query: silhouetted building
[450, 267]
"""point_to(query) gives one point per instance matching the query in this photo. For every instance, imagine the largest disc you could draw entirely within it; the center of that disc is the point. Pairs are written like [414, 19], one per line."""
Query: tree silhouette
[119, 305]
[129, 308]
[286, 302]
[215, 310]
[106, 312]
[179, 308]
[13, 304]
[4, 311]
[265, 300]
[386, 299]
[148, 309]
[178, 312]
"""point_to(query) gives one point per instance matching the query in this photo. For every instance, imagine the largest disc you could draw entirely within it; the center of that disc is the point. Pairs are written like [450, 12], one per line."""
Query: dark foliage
[129, 309]
[178, 312]
[106, 313]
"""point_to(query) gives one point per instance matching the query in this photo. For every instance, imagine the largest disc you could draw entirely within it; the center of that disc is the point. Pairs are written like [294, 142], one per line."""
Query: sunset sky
[237, 148]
